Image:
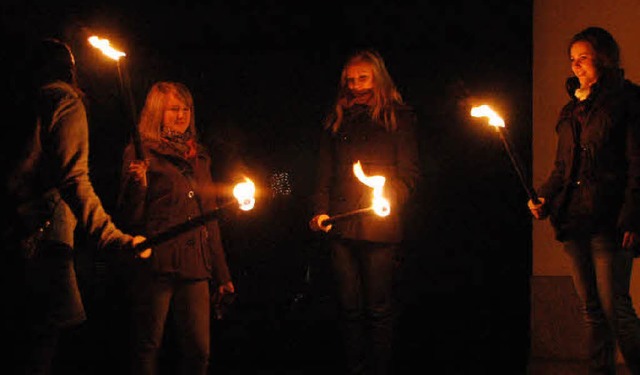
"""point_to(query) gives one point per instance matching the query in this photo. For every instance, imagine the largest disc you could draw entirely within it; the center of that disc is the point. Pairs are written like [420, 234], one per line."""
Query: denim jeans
[364, 273]
[601, 272]
[190, 305]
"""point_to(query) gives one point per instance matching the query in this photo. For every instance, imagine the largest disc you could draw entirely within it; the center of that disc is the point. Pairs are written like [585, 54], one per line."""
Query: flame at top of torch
[486, 111]
[380, 205]
[374, 182]
[106, 48]
[244, 192]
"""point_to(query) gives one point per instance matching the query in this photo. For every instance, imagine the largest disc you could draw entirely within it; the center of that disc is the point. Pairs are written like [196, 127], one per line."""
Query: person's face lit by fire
[583, 63]
[359, 77]
[177, 114]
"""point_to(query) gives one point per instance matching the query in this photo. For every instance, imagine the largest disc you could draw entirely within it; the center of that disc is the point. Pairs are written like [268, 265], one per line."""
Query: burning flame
[244, 193]
[379, 204]
[104, 46]
[486, 111]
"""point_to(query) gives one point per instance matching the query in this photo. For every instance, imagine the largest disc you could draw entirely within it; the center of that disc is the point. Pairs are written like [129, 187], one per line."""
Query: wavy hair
[386, 96]
[150, 124]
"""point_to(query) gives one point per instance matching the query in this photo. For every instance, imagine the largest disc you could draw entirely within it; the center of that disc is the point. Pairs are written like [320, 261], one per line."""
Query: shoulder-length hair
[150, 123]
[386, 96]
[607, 59]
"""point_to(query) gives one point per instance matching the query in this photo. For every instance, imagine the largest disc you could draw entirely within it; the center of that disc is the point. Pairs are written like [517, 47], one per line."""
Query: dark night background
[262, 75]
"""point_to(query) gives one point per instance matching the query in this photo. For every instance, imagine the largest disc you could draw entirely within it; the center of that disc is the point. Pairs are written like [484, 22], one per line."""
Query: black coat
[393, 155]
[594, 186]
[178, 190]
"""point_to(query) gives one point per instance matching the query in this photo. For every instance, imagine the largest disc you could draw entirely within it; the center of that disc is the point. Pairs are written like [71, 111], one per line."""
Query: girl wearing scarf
[172, 186]
[370, 123]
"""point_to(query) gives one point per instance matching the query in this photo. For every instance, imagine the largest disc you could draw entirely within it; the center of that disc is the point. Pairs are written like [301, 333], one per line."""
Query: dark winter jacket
[594, 186]
[178, 190]
[50, 185]
[393, 155]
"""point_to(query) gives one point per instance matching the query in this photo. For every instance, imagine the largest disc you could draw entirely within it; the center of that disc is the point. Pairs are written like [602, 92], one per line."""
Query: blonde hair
[385, 94]
[150, 124]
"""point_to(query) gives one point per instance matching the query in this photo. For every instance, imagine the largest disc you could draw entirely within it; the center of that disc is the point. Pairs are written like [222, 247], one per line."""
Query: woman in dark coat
[372, 125]
[172, 186]
[592, 195]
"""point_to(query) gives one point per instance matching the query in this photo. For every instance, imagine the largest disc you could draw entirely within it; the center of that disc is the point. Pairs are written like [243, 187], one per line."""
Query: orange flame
[244, 192]
[380, 205]
[104, 46]
[486, 111]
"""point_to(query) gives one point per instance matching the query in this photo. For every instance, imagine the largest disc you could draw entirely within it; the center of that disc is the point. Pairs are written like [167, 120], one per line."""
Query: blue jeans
[364, 273]
[190, 305]
[601, 272]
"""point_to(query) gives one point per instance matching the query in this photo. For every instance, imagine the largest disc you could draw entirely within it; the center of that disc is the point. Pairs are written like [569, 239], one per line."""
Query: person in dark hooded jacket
[592, 195]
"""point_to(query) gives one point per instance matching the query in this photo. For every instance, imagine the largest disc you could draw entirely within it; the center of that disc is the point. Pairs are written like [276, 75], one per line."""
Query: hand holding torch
[379, 205]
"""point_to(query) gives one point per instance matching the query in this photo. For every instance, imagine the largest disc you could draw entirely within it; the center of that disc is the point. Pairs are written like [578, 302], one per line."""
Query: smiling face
[583, 63]
[177, 114]
[359, 77]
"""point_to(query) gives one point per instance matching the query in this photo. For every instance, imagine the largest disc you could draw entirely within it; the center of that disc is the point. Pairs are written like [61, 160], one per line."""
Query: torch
[244, 193]
[498, 123]
[244, 197]
[379, 205]
[125, 87]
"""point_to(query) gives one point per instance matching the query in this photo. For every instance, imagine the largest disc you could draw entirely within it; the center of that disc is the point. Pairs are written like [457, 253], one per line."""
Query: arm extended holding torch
[178, 229]
[243, 193]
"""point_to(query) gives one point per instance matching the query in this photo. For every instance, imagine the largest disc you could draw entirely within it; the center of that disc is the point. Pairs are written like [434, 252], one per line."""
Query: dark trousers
[364, 274]
[190, 306]
[601, 272]
[52, 303]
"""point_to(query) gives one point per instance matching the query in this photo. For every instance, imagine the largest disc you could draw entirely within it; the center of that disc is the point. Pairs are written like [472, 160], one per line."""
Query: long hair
[607, 60]
[385, 94]
[150, 123]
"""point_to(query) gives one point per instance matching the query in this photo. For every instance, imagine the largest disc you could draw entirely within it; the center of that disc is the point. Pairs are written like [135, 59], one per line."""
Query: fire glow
[105, 46]
[244, 192]
[379, 204]
[486, 111]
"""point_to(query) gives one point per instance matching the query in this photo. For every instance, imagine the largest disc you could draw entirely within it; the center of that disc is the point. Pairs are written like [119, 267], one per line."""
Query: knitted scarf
[183, 143]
